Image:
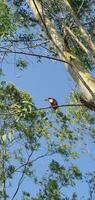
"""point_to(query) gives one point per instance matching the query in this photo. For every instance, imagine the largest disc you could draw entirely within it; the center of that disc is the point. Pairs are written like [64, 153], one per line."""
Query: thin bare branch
[34, 55]
[25, 165]
[75, 38]
[60, 106]
[34, 160]
[39, 44]
[80, 7]
[49, 107]
[22, 176]
[85, 35]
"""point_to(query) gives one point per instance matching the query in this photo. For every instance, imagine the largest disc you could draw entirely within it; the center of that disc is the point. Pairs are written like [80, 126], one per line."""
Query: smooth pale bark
[75, 68]
[86, 36]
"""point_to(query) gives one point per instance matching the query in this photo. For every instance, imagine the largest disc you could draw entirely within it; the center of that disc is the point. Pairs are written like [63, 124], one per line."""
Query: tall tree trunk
[83, 78]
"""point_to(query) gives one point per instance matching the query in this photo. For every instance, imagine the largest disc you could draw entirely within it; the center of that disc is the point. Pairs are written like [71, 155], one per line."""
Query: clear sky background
[48, 78]
[42, 80]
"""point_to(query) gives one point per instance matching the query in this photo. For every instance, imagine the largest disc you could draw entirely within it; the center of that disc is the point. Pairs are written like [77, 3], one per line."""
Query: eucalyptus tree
[56, 15]
[24, 131]
[66, 33]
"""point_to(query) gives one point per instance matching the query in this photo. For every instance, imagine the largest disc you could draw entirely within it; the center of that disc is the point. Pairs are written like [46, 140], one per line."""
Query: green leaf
[10, 136]
[4, 137]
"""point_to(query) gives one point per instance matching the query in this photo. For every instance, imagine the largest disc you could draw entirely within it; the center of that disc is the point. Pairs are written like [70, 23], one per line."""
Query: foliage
[90, 178]
[51, 188]
[22, 123]
[18, 122]
[21, 64]
[27, 134]
[6, 20]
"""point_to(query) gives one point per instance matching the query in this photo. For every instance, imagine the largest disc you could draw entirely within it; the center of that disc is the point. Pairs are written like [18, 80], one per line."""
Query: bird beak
[45, 99]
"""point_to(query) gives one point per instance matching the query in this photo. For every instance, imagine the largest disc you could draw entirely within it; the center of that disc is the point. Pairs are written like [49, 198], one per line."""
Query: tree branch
[25, 165]
[21, 178]
[85, 35]
[49, 107]
[37, 158]
[75, 68]
[35, 55]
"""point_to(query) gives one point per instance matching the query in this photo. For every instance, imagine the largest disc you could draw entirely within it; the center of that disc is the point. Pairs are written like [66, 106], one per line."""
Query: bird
[53, 102]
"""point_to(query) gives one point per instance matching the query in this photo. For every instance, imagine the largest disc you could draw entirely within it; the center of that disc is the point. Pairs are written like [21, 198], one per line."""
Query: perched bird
[54, 105]
[52, 102]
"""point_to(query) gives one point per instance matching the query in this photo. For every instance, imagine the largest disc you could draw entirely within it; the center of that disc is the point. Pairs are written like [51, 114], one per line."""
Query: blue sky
[42, 80]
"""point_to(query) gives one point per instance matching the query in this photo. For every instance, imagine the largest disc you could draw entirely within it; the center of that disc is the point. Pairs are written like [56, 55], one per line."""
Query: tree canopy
[60, 30]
